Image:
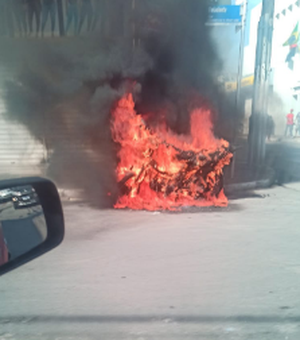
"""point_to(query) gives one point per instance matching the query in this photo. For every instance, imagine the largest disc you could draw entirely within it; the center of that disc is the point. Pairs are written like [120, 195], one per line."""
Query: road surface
[230, 274]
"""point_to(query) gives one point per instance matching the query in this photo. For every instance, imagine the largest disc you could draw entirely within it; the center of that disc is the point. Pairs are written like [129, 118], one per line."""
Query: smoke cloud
[64, 90]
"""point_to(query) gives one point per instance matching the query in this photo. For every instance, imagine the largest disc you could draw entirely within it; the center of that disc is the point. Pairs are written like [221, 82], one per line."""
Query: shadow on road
[260, 319]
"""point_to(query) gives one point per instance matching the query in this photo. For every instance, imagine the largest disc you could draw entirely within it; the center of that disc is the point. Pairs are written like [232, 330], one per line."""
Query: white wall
[250, 50]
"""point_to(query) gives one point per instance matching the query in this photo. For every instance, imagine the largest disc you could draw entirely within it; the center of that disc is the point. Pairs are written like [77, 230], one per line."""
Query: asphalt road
[215, 274]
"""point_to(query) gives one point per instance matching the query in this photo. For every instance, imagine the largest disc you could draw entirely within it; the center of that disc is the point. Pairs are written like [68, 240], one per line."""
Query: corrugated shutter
[20, 154]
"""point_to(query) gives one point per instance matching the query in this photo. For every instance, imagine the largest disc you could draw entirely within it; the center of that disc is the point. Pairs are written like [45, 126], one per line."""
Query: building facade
[285, 64]
[286, 57]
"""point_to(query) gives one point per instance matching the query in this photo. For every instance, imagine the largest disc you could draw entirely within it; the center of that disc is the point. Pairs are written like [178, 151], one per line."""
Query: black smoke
[64, 89]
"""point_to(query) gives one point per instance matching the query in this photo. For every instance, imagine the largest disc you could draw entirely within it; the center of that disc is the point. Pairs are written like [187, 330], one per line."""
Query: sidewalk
[282, 165]
[246, 178]
[243, 180]
[283, 157]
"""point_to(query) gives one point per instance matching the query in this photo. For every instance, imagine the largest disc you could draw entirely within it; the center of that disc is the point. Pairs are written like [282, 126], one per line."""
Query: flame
[158, 169]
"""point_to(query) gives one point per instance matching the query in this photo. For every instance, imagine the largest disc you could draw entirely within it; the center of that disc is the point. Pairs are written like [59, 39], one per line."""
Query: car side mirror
[31, 221]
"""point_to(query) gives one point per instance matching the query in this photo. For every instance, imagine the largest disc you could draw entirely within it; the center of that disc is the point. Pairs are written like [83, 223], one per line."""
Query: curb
[237, 187]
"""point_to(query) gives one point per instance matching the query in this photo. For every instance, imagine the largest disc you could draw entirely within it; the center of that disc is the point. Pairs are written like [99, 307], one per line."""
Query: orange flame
[158, 169]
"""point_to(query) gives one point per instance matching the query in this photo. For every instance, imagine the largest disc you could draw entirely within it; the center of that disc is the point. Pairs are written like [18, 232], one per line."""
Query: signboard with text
[225, 15]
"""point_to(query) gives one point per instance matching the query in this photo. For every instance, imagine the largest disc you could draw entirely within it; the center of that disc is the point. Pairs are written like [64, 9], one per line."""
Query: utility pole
[258, 119]
[239, 81]
[60, 11]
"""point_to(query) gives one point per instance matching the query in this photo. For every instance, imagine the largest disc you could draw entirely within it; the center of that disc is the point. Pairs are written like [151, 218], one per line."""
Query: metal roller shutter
[20, 154]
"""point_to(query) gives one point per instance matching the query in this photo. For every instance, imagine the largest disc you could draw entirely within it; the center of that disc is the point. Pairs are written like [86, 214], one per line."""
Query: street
[140, 103]
[229, 273]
